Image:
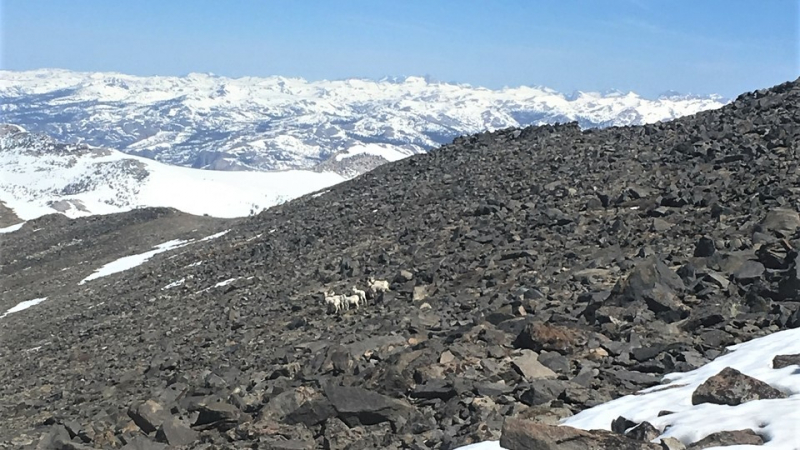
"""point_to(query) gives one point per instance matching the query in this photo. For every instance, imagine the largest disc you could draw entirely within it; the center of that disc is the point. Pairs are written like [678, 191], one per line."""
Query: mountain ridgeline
[533, 273]
[277, 123]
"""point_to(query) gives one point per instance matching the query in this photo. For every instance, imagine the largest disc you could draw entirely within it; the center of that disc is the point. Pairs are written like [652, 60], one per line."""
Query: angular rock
[529, 367]
[704, 248]
[542, 391]
[731, 387]
[441, 389]
[538, 336]
[781, 361]
[56, 438]
[726, 438]
[621, 425]
[357, 406]
[148, 416]
[526, 435]
[645, 431]
[785, 221]
[175, 432]
[670, 443]
[647, 275]
[749, 271]
[288, 444]
[222, 416]
[312, 412]
[143, 443]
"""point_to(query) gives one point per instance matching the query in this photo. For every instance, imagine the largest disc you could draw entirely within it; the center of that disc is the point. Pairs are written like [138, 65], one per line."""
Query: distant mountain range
[277, 123]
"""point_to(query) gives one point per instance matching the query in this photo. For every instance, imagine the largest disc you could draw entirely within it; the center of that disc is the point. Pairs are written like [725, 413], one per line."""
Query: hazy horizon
[647, 47]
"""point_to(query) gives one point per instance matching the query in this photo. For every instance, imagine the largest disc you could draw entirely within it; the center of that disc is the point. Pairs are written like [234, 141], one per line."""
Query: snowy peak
[276, 123]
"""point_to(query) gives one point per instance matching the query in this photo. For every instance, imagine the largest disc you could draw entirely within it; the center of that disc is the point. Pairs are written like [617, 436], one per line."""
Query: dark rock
[288, 444]
[731, 387]
[357, 406]
[526, 435]
[784, 221]
[704, 248]
[142, 443]
[621, 425]
[440, 389]
[312, 412]
[646, 276]
[148, 416]
[542, 391]
[56, 438]
[645, 431]
[726, 438]
[538, 336]
[175, 432]
[781, 361]
[555, 361]
[492, 389]
[749, 271]
[221, 416]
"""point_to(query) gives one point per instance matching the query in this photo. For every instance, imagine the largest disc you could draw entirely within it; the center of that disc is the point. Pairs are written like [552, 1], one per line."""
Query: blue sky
[647, 46]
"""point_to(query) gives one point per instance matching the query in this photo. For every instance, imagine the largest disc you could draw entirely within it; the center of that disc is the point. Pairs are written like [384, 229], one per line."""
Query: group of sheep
[337, 303]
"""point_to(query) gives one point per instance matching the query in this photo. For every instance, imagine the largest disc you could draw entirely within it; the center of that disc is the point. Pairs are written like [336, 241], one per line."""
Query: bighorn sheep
[376, 286]
[362, 296]
[351, 300]
[334, 302]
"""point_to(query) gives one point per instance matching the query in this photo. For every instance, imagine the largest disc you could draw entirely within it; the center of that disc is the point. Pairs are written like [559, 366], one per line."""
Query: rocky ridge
[534, 273]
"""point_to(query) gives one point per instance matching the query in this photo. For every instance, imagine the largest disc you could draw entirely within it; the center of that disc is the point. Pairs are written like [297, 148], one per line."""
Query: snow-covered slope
[776, 420]
[40, 176]
[275, 123]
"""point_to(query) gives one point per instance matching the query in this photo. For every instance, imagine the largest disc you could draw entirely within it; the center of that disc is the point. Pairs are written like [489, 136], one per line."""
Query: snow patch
[23, 306]
[488, 445]
[129, 262]
[776, 420]
[214, 236]
[12, 228]
[226, 282]
[174, 284]
[388, 152]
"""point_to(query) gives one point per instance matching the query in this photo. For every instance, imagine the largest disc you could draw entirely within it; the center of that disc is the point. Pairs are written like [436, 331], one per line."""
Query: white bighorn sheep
[334, 302]
[351, 300]
[377, 286]
[362, 296]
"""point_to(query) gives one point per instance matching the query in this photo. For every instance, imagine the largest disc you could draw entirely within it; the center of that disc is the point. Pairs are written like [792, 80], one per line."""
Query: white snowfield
[777, 421]
[78, 181]
[281, 123]
[11, 228]
[24, 305]
[131, 261]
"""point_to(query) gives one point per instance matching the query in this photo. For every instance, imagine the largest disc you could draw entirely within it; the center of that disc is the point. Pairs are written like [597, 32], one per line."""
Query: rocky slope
[277, 123]
[39, 176]
[534, 273]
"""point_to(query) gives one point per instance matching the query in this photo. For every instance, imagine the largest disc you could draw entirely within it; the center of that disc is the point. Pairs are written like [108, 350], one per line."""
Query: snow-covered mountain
[274, 123]
[41, 176]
